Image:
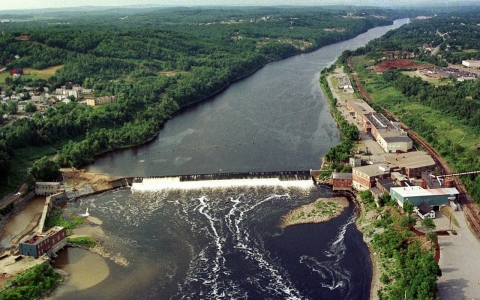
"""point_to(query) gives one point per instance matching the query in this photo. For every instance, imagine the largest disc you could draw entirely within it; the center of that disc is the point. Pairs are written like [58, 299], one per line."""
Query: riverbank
[366, 216]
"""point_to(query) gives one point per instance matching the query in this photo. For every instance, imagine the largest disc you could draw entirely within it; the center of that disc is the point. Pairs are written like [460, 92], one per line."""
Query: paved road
[377, 153]
[459, 261]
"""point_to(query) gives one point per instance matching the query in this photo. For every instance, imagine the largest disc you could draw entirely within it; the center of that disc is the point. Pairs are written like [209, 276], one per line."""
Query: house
[16, 71]
[47, 188]
[364, 177]
[425, 211]
[418, 195]
[342, 181]
[38, 98]
[47, 243]
[21, 105]
[101, 100]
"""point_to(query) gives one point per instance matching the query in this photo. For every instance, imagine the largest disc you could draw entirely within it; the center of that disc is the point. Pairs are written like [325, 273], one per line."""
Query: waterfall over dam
[302, 179]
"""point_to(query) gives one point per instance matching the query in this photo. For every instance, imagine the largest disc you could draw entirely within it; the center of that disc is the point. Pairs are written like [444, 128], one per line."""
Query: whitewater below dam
[225, 242]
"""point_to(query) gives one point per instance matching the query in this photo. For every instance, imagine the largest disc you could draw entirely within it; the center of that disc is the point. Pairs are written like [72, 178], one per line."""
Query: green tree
[30, 107]
[45, 169]
[427, 222]
[407, 207]
[12, 106]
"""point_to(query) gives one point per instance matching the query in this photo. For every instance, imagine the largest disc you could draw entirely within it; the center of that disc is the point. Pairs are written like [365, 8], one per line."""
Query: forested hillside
[154, 61]
[445, 112]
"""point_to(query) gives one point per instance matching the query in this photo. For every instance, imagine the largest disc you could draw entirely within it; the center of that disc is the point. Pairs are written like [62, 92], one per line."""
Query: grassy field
[433, 81]
[447, 127]
[33, 73]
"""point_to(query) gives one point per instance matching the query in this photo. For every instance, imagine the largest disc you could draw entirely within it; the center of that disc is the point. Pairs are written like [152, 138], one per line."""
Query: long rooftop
[414, 159]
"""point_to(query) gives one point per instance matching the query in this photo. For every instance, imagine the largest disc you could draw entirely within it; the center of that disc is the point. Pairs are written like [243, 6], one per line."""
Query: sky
[34, 4]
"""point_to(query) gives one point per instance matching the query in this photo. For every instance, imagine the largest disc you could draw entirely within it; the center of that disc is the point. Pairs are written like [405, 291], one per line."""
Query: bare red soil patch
[395, 64]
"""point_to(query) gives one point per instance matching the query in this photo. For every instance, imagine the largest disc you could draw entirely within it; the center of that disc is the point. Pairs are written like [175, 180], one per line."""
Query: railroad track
[468, 205]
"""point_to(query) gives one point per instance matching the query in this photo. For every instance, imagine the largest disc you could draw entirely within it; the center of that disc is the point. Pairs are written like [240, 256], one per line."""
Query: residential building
[38, 98]
[101, 100]
[16, 71]
[47, 243]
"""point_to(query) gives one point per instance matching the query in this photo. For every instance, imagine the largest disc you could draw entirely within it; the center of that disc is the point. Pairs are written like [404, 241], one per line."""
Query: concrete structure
[412, 164]
[342, 181]
[388, 134]
[355, 161]
[47, 243]
[418, 195]
[101, 100]
[47, 188]
[364, 178]
[471, 63]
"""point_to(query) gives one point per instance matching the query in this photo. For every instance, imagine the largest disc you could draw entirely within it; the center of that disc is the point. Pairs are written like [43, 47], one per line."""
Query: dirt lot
[396, 64]
[78, 179]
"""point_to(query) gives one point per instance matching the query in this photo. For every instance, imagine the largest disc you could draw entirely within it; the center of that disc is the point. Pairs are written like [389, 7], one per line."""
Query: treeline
[449, 99]
[456, 34]
[411, 271]
[154, 62]
[349, 131]
[459, 101]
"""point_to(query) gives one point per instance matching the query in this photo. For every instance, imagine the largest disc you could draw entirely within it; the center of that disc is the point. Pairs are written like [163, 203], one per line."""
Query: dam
[301, 179]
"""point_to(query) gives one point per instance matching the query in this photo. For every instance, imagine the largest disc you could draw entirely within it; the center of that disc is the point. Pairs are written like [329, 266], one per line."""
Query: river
[225, 242]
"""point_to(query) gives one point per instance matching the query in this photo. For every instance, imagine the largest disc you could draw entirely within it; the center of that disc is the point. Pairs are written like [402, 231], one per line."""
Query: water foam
[159, 184]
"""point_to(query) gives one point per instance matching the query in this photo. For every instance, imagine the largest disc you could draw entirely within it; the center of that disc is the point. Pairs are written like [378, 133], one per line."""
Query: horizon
[22, 5]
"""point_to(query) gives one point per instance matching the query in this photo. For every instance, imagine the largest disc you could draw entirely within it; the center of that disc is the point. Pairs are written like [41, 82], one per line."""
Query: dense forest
[448, 101]
[154, 61]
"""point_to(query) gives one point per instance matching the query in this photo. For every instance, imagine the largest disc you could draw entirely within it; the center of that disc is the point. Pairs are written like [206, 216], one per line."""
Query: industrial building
[358, 108]
[47, 188]
[388, 134]
[412, 164]
[364, 177]
[471, 63]
[342, 181]
[47, 243]
[418, 195]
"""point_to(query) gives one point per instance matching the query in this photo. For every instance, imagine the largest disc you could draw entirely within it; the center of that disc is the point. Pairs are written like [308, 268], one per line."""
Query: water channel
[225, 242]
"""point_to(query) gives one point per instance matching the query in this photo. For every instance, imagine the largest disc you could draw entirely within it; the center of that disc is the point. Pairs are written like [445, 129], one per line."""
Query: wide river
[225, 242]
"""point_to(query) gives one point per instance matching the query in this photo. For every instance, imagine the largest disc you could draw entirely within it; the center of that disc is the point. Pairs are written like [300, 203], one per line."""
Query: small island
[322, 210]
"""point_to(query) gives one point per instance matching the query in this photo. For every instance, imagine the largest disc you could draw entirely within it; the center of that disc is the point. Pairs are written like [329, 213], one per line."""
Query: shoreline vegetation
[156, 99]
[322, 210]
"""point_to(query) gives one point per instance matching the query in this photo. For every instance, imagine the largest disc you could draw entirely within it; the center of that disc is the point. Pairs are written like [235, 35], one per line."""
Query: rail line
[468, 205]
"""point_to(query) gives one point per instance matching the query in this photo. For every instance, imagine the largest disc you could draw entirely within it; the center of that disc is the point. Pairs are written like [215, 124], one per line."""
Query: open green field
[446, 127]
[33, 73]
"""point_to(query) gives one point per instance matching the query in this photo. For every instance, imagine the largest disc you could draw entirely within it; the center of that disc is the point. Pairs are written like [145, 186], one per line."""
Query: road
[458, 253]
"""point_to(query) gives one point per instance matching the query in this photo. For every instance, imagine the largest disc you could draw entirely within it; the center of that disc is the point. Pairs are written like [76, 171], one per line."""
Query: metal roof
[418, 191]
[342, 175]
